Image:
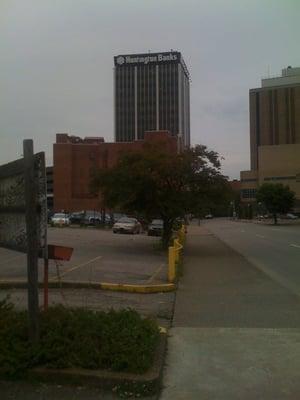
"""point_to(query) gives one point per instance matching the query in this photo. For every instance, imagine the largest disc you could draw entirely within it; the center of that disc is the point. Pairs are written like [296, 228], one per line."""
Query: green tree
[153, 182]
[276, 197]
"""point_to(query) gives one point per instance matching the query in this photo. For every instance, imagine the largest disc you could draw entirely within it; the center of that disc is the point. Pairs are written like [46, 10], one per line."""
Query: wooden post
[32, 240]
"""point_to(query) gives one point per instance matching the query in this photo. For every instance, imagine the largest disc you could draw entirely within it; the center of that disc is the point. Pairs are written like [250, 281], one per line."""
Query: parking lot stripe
[76, 267]
[154, 275]
[295, 245]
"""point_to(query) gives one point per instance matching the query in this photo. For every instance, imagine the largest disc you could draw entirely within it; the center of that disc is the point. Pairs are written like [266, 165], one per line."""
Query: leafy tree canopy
[155, 183]
[276, 197]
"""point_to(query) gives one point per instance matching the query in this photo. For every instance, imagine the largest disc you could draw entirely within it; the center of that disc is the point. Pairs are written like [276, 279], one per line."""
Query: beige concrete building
[274, 135]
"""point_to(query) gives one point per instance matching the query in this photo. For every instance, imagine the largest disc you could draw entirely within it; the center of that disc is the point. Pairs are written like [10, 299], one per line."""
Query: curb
[165, 287]
[116, 287]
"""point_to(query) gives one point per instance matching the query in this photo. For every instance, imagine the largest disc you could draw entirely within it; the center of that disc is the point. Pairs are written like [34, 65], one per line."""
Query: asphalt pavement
[273, 249]
[39, 391]
[98, 256]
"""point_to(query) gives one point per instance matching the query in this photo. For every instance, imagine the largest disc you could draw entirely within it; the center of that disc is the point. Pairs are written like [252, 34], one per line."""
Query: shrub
[75, 337]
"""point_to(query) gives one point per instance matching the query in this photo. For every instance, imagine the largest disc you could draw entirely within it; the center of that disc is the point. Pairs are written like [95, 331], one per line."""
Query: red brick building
[75, 159]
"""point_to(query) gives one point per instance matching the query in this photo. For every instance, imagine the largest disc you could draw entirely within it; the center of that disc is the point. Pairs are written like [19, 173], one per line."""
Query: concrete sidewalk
[235, 334]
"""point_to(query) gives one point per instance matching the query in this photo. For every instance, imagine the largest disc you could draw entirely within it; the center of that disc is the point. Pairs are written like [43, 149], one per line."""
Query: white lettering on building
[146, 59]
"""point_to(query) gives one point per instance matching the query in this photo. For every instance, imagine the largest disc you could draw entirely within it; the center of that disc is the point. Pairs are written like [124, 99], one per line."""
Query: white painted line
[260, 236]
[77, 266]
[295, 245]
[154, 275]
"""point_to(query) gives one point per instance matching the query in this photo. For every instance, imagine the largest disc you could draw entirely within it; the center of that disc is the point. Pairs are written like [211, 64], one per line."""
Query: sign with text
[157, 58]
[13, 233]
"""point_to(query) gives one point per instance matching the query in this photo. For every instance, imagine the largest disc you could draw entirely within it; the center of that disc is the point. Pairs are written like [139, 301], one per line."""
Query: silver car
[60, 219]
[127, 225]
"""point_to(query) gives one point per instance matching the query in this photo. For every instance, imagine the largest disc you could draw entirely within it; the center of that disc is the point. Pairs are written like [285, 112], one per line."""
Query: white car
[60, 219]
[291, 216]
[127, 225]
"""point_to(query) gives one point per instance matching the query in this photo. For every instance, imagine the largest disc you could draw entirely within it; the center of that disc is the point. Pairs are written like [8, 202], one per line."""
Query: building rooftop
[65, 138]
[289, 76]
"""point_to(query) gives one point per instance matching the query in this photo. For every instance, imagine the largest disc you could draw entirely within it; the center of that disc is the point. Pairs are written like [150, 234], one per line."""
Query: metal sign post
[23, 218]
[32, 239]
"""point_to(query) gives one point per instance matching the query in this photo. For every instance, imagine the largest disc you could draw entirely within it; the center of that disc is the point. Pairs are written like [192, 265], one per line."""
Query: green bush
[69, 337]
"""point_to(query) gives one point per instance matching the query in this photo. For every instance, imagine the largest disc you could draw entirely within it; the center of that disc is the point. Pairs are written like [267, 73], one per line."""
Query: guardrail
[175, 253]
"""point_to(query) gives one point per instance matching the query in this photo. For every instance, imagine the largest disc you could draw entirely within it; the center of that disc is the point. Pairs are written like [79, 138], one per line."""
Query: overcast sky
[56, 66]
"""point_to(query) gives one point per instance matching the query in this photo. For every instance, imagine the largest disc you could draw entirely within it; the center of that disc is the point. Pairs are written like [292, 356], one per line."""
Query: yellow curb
[118, 287]
[165, 287]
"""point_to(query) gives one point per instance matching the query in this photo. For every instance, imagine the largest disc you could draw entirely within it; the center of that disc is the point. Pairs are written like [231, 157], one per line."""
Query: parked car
[208, 216]
[76, 217]
[60, 219]
[50, 214]
[155, 228]
[267, 216]
[127, 225]
[91, 217]
[290, 216]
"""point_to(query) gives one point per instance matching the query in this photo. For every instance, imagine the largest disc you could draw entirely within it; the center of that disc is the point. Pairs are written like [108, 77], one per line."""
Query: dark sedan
[156, 228]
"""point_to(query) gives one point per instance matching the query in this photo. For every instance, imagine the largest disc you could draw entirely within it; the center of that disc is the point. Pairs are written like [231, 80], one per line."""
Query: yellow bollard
[181, 236]
[177, 247]
[183, 232]
[171, 269]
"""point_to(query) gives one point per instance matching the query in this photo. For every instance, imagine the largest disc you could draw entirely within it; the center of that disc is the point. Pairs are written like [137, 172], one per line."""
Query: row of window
[280, 178]
[274, 178]
[127, 92]
[249, 180]
[249, 193]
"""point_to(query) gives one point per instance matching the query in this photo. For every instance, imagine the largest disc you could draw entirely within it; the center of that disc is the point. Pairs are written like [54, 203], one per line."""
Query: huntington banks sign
[146, 58]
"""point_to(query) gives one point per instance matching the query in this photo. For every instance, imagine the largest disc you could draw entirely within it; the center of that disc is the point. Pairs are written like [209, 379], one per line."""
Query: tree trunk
[167, 234]
[275, 218]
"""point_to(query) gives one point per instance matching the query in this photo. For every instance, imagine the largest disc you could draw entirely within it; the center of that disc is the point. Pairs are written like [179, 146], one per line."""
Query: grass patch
[75, 337]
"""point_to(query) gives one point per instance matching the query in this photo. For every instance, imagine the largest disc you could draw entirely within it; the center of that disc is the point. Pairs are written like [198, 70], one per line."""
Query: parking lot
[98, 256]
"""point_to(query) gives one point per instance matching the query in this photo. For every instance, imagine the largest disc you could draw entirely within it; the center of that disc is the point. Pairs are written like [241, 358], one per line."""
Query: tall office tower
[151, 93]
[274, 135]
[275, 112]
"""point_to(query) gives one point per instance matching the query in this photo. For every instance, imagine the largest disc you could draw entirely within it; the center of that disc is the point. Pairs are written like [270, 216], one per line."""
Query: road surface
[273, 249]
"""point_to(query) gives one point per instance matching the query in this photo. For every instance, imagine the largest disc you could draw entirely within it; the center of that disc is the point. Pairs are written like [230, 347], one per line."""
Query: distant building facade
[49, 177]
[274, 135]
[75, 160]
[151, 92]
